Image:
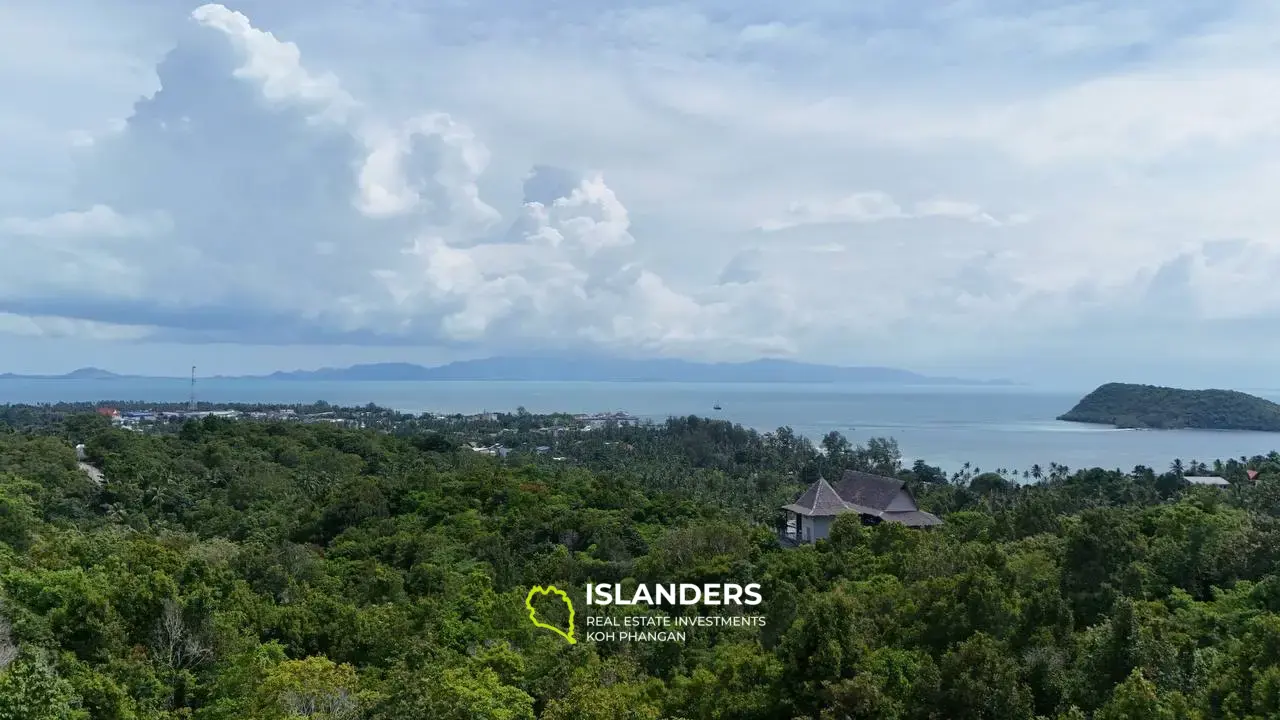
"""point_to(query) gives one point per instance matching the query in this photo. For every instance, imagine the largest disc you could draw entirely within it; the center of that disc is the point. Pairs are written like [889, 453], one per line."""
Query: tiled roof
[859, 492]
[873, 491]
[819, 499]
[912, 518]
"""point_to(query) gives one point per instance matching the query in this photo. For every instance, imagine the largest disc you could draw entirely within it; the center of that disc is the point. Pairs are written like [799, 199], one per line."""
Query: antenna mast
[191, 404]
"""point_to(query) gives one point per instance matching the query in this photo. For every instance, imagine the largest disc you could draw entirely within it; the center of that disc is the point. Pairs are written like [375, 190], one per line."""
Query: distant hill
[582, 369]
[1147, 406]
[376, 371]
[618, 370]
[88, 373]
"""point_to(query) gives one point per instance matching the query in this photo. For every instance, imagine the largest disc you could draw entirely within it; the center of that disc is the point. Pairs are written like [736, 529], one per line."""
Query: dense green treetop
[268, 569]
[1148, 406]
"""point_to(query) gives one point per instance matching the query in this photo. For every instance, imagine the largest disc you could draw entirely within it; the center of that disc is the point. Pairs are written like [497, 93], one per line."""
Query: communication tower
[191, 404]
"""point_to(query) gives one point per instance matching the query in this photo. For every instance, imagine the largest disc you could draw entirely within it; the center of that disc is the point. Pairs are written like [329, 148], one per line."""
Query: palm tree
[1036, 471]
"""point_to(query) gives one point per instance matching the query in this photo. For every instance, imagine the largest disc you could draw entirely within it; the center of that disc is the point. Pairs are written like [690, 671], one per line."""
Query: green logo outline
[540, 590]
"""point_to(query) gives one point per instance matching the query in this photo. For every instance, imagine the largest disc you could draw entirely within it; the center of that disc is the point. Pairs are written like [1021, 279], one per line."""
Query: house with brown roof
[873, 497]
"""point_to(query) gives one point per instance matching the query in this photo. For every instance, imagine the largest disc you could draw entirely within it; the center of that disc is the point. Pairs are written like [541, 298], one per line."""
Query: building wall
[813, 529]
[822, 527]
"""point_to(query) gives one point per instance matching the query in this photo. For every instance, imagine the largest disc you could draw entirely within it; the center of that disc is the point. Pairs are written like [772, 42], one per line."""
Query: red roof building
[108, 412]
[1253, 474]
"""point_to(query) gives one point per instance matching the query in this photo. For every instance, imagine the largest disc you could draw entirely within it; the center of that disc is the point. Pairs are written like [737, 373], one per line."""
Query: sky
[1040, 190]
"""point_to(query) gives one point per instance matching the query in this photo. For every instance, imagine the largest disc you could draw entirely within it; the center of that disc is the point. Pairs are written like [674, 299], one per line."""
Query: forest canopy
[231, 569]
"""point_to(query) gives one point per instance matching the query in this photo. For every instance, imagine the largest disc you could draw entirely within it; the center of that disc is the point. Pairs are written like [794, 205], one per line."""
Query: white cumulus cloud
[983, 182]
[296, 213]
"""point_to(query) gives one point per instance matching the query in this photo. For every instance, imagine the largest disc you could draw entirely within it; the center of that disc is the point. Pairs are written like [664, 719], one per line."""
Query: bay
[989, 427]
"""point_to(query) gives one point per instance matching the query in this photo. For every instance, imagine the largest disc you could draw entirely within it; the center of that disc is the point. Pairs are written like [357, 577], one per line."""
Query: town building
[873, 497]
[495, 450]
[1207, 480]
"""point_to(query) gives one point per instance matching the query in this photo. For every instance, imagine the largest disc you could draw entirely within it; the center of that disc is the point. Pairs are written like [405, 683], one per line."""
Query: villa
[874, 497]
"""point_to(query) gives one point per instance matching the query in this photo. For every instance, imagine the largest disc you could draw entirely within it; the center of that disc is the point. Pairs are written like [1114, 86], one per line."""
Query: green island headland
[1128, 405]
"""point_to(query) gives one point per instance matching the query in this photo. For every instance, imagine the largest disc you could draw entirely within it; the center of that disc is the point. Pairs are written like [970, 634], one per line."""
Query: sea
[988, 427]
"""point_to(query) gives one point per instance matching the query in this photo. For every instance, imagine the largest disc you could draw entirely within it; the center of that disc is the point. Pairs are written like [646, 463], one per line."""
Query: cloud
[60, 327]
[1193, 283]
[275, 66]
[868, 207]
[296, 213]
[743, 268]
[97, 221]
[904, 183]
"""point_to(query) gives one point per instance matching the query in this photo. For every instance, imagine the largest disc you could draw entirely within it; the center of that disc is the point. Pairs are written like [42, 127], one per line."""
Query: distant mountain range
[586, 369]
[89, 373]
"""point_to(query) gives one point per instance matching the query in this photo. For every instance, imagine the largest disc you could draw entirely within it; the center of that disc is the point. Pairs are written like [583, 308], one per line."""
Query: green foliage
[314, 687]
[18, 514]
[1148, 406]
[1137, 699]
[30, 689]
[281, 570]
[457, 694]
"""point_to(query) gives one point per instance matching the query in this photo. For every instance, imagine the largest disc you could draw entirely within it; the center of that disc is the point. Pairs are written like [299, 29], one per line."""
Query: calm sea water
[989, 427]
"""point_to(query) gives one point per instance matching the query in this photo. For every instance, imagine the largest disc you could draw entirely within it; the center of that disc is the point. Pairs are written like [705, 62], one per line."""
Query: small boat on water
[716, 406]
